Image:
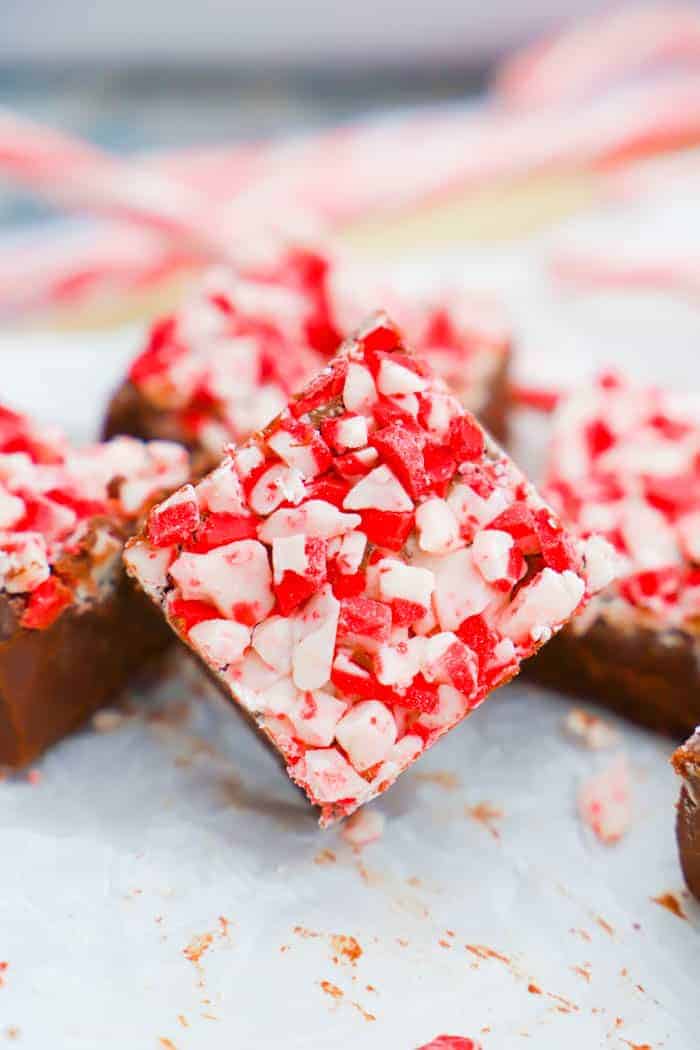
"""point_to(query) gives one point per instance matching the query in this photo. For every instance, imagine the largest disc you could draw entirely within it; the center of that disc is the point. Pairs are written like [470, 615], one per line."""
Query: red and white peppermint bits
[63, 512]
[361, 573]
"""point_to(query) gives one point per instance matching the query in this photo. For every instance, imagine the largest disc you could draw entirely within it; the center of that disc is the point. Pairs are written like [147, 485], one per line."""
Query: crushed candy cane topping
[63, 511]
[228, 361]
[625, 463]
[359, 613]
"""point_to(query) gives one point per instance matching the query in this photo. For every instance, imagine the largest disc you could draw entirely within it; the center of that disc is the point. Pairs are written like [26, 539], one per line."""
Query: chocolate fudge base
[686, 762]
[650, 676]
[131, 413]
[52, 680]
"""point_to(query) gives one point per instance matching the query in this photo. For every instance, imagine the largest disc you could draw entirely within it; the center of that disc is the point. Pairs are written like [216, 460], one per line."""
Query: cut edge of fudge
[72, 626]
[337, 575]
[637, 646]
[686, 762]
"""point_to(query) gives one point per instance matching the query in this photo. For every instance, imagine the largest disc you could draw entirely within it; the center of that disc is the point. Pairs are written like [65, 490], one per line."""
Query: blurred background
[546, 151]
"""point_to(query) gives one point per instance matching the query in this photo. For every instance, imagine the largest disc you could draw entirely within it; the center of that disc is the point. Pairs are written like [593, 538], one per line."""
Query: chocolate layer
[52, 680]
[649, 675]
[686, 762]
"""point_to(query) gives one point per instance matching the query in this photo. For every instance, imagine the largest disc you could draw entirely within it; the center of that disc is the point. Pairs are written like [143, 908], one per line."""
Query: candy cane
[600, 51]
[82, 177]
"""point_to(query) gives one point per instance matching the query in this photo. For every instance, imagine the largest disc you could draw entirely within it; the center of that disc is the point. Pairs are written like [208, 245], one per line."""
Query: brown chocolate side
[495, 412]
[52, 680]
[633, 671]
[129, 412]
[686, 762]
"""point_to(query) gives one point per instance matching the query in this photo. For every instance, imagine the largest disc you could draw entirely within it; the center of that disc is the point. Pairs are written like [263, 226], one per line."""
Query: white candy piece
[452, 706]
[220, 642]
[397, 665]
[396, 580]
[149, 565]
[491, 552]
[316, 518]
[330, 777]
[438, 529]
[273, 640]
[602, 562]
[367, 733]
[249, 679]
[351, 553]
[289, 555]
[378, 490]
[11, 509]
[393, 379]
[300, 457]
[276, 485]
[222, 492]
[352, 432]
[237, 574]
[315, 629]
[545, 603]
[359, 391]
[460, 589]
[313, 715]
[688, 528]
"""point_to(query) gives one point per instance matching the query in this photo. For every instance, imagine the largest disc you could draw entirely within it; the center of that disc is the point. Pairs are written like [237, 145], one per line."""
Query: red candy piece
[356, 682]
[421, 695]
[46, 603]
[216, 529]
[557, 549]
[365, 618]
[599, 438]
[175, 520]
[439, 467]
[332, 490]
[190, 613]
[401, 450]
[519, 521]
[348, 585]
[381, 337]
[326, 386]
[387, 528]
[162, 350]
[451, 1042]
[466, 439]
[293, 588]
[404, 613]
[662, 584]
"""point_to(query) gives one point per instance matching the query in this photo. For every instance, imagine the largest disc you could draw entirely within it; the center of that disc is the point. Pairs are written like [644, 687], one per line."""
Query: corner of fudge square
[72, 626]
[363, 572]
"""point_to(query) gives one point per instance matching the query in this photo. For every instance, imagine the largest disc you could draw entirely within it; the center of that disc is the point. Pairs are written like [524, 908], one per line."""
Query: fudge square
[625, 461]
[72, 626]
[686, 762]
[363, 572]
[229, 358]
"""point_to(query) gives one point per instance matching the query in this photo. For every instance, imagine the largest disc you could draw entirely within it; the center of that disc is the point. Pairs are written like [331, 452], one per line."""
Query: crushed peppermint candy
[227, 362]
[358, 613]
[624, 464]
[64, 513]
[605, 802]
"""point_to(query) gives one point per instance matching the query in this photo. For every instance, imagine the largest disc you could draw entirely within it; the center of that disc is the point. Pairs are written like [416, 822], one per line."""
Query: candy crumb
[107, 720]
[589, 730]
[604, 801]
[363, 827]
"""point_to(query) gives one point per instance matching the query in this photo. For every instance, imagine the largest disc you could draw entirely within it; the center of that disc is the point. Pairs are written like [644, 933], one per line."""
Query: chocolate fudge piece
[72, 627]
[227, 362]
[625, 462]
[686, 762]
[360, 575]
